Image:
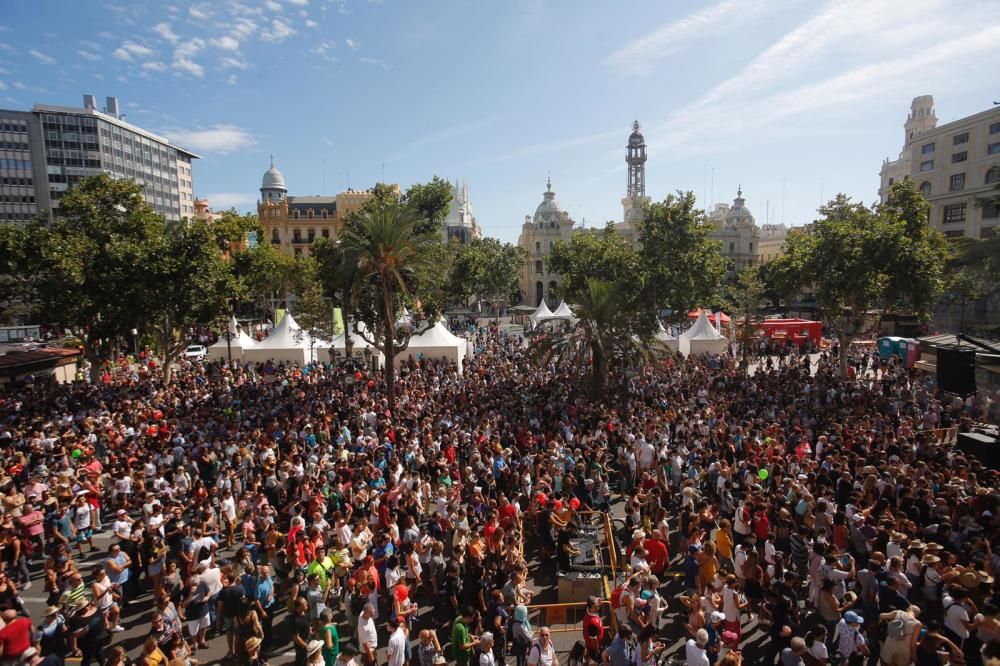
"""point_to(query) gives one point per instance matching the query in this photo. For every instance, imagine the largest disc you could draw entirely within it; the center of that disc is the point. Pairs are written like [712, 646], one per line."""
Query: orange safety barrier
[944, 435]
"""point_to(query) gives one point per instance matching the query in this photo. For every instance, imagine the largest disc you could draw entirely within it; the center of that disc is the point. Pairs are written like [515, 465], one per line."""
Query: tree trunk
[845, 344]
[599, 370]
[390, 346]
[90, 353]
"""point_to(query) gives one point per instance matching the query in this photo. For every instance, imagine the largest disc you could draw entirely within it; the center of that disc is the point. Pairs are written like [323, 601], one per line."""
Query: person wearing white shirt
[396, 650]
[694, 649]
[367, 635]
[486, 656]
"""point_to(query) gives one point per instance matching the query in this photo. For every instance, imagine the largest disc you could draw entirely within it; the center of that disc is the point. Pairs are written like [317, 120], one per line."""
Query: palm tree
[387, 252]
[604, 334]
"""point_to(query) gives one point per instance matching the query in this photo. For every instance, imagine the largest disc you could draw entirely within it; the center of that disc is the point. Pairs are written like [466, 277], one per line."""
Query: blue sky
[794, 99]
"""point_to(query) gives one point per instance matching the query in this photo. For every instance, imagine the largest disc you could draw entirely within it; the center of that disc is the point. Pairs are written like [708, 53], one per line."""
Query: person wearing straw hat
[314, 653]
[252, 648]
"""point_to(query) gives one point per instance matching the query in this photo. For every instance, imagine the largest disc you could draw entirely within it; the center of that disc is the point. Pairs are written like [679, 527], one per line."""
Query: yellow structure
[294, 223]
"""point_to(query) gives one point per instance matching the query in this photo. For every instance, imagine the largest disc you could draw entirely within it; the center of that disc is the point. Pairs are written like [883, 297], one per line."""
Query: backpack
[897, 627]
[616, 596]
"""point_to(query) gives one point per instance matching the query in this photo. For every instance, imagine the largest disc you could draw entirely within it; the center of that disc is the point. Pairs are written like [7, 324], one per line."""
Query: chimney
[90, 102]
[112, 106]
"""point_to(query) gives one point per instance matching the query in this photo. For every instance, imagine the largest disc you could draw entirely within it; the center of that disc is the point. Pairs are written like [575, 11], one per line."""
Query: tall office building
[46, 150]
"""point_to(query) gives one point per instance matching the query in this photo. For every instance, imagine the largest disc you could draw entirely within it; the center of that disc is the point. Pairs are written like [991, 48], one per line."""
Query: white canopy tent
[541, 313]
[286, 343]
[220, 350]
[663, 340]
[436, 343]
[702, 338]
[563, 312]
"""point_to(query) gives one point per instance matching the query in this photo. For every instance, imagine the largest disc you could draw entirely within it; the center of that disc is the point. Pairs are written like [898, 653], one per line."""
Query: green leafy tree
[314, 312]
[604, 255]
[388, 257]
[746, 297]
[87, 271]
[264, 276]
[430, 203]
[189, 282]
[488, 270]
[603, 338]
[682, 267]
[851, 257]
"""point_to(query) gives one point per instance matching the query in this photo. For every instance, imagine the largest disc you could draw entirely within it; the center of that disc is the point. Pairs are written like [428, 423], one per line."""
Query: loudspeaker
[956, 370]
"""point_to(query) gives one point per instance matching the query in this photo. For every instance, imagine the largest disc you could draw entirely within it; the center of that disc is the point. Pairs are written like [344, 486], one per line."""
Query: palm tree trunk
[600, 370]
[389, 346]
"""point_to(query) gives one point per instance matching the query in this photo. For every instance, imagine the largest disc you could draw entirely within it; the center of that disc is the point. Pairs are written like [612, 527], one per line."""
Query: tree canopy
[488, 270]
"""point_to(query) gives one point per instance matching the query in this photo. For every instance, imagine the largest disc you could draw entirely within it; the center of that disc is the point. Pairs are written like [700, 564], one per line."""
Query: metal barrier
[944, 435]
[568, 617]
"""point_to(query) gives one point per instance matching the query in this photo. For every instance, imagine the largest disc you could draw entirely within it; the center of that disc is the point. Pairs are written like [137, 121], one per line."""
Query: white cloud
[164, 31]
[188, 67]
[19, 85]
[722, 16]
[189, 48]
[130, 50]
[93, 46]
[244, 28]
[3, 86]
[300, 3]
[7, 47]
[233, 63]
[372, 61]
[200, 12]
[232, 79]
[311, 24]
[278, 32]
[273, 5]
[217, 139]
[226, 43]
[154, 66]
[42, 57]
[227, 200]
[352, 44]
[87, 55]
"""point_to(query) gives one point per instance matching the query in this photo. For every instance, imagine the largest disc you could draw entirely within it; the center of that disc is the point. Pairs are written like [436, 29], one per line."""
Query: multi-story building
[461, 225]
[293, 223]
[43, 152]
[955, 165]
[742, 242]
[551, 223]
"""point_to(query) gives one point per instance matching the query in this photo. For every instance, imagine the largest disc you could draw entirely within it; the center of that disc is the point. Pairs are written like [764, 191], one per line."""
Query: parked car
[195, 353]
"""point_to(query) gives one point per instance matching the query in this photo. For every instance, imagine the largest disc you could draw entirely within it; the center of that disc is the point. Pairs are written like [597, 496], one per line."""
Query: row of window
[17, 181]
[9, 198]
[15, 164]
[957, 183]
[14, 145]
[992, 149]
[954, 213]
[14, 126]
[297, 235]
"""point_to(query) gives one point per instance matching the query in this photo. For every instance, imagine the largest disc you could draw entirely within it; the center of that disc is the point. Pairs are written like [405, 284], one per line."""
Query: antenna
[783, 200]
[711, 195]
[383, 172]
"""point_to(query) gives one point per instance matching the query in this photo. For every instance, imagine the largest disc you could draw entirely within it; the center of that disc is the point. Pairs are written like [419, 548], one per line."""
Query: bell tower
[635, 158]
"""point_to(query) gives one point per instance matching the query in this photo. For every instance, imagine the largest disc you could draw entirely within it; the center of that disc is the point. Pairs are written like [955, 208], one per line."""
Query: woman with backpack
[522, 636]
[902, 635]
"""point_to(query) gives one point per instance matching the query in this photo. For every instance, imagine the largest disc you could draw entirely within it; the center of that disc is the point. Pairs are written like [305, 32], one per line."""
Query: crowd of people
[292, 511]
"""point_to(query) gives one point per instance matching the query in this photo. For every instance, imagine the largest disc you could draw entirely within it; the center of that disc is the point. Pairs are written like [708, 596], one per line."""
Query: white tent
[540, 314]
[563, 312]
[664, 340]
[702, 338]
[286, 343]
[436, 343]
[241, 342]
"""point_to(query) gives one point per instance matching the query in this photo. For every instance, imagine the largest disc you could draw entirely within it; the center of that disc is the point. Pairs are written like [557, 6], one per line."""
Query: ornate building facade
[293, 223]
[742, 242]
[551, 223]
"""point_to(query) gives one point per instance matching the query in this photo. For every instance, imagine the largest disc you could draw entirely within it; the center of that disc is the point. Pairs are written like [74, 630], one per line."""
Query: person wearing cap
[852, 646]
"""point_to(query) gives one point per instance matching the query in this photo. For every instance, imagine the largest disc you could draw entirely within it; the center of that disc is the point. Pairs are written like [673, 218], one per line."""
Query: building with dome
[742, 242]
[461, 225]
[293, 223]
[551, 223]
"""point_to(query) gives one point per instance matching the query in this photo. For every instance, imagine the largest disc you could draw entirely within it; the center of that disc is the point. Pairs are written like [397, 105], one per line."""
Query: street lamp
[348, 344]
[230, 332]
[135, 341]
[368, 359]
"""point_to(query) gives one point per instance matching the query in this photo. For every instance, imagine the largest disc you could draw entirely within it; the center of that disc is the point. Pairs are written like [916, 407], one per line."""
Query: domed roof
[636, 138]
[549, 204]
[273, 180]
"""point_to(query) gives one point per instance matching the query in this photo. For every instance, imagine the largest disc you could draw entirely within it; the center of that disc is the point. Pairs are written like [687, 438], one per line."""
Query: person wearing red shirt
[761, 525]
[15, 637]
[593, 628]
[657, 554]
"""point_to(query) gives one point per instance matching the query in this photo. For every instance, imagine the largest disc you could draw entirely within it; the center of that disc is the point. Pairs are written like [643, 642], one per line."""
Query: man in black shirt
[229, 604]
[91, 635]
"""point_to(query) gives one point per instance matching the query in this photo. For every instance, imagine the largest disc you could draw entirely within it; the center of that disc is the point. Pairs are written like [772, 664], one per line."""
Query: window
[891, 181]
[538, 266]
[312, 235]
[732, 248]
[296, 236]
[954, 233]
[995, 128]
[538, 246]
[991, 211]
[988, 232]
[326, 233]
[927, 149]
[927, 166]
[959, 139]
[959, 157]
[957, 182]
[954, 213]
[993, 175]
[993, 148]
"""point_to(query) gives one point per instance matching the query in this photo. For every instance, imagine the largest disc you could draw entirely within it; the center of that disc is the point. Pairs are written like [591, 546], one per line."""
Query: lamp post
[348, 344]
[368, 359]
[135, 341]
[231, 330]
